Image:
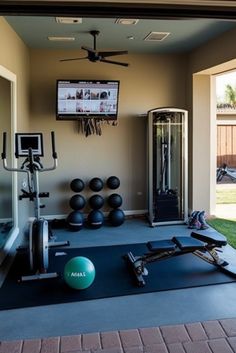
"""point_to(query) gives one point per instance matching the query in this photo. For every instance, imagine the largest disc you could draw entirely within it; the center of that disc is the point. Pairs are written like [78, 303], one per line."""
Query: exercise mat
[113, 277]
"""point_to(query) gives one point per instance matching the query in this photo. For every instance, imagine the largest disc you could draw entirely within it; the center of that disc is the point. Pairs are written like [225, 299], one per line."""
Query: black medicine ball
[77, 202]
[96, 184]
[77, 185]
[75, 220]
[116, 217]
[95, 219]
[114, 200]
[113, 182]
[96, 202]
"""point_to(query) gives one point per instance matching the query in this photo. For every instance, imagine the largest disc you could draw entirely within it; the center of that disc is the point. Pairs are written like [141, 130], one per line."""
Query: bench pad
[188, 243]
[212, 238]
[161, 245]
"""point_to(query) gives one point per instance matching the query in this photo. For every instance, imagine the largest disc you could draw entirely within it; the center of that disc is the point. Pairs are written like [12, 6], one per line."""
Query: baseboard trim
[64, 216]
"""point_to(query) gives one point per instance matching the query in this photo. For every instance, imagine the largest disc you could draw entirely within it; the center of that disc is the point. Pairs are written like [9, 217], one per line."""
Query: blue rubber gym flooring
[113, 277]
[169, 307]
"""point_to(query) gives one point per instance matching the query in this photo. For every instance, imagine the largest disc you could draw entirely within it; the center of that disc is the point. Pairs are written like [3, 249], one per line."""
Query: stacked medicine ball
[95, 217]
[116, 216]
[96, 201]
[75, 219]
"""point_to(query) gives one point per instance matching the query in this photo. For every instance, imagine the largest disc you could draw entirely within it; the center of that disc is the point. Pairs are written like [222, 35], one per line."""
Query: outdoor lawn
[225, 195]
[226, 227]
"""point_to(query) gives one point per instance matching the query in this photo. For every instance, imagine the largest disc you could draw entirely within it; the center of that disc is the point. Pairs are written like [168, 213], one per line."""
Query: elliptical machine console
[30, 146]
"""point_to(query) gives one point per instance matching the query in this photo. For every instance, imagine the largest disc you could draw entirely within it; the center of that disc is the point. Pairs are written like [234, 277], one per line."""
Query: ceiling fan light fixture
[69, 20]
[126, 21]
[61, 39]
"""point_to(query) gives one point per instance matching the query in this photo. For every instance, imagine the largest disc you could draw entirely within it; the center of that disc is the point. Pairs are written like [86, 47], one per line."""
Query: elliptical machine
[30, 146]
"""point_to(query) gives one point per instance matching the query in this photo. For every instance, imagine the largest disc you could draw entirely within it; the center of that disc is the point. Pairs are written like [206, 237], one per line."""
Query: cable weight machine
[167, 166]
[30, 146]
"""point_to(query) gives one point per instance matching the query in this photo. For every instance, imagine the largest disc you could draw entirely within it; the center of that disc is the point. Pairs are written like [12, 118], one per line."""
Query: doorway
[226, 145]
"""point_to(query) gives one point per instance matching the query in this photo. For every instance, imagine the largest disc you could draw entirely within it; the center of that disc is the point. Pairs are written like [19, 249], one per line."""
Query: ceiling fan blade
[95, 55]
[71, 59]
[113, 62]
[88, 49]
[105, 54]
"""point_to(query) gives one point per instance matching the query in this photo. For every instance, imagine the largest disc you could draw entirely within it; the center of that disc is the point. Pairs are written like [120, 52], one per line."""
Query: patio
[206, 337]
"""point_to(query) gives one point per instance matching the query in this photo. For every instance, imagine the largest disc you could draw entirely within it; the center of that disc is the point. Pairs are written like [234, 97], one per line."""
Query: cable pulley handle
[54, 153]
[4, 145]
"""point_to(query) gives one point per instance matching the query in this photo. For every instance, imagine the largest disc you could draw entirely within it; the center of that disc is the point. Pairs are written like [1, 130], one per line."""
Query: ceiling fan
[95, 55]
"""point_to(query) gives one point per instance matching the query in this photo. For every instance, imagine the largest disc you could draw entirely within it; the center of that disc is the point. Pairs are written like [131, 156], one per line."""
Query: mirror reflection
[6, 214]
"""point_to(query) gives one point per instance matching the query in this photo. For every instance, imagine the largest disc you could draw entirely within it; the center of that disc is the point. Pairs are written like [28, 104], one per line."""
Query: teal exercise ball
[79, 272]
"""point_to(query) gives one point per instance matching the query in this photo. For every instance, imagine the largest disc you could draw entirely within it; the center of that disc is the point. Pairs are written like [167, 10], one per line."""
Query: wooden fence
[226, 145]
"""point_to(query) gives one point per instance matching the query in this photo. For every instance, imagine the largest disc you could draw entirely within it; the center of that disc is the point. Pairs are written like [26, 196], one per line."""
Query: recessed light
[69, 20]
[61, 39]
[126, 21]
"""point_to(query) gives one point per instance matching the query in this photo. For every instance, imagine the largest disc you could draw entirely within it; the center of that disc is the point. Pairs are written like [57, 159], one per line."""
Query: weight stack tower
[167, 166]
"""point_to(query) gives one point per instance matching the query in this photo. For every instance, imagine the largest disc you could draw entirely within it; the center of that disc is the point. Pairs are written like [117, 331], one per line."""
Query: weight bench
[206, 247]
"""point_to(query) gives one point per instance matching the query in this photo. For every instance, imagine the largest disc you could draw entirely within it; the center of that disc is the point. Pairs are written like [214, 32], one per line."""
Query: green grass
[226, 227]
[226, 196]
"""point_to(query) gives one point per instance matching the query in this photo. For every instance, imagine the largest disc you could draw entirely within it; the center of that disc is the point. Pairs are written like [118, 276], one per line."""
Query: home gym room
[180, 78]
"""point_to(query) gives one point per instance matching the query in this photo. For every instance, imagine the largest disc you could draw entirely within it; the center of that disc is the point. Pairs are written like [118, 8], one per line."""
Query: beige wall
[151, 81]
[227, 118]
[216, 52]
[203, 150]
[14, 56]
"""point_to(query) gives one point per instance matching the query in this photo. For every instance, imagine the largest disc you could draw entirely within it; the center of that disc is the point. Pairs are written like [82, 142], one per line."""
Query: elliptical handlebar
[4, 158]
[4, 145]
[54, 155]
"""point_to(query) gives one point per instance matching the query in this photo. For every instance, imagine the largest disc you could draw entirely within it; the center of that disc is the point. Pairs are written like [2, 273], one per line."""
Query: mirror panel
[8, 189]
[6, 213]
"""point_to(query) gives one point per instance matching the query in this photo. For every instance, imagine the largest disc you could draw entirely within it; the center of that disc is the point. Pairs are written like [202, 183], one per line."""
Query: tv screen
[87, 98]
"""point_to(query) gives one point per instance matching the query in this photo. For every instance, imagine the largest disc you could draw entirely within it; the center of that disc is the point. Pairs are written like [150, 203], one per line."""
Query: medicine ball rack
[95, 217]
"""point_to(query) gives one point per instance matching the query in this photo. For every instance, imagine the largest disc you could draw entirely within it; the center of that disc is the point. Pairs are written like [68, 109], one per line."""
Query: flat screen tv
[87, 98]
